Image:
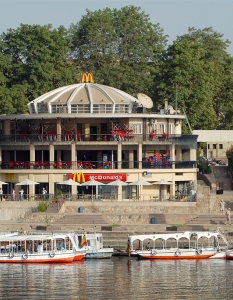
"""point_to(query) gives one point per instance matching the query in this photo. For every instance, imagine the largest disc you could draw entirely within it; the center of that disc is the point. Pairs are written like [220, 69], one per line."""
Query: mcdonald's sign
[81, 177]
[86, 77]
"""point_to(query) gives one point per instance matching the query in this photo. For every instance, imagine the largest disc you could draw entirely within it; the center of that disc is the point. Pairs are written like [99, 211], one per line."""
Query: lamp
[144, 173]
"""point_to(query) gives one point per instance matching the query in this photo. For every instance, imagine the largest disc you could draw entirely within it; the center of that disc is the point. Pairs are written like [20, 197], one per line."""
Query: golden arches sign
[79, 177]
[86, 77]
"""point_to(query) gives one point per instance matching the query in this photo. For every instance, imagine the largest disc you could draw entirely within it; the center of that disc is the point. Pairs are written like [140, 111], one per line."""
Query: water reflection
[119, 278]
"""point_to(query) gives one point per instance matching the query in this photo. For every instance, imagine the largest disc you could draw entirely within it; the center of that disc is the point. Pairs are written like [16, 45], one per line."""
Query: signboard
[83, 177]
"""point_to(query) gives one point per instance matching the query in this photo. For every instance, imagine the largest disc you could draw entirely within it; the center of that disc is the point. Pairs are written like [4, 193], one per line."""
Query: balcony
[189, 141]
[89, 165]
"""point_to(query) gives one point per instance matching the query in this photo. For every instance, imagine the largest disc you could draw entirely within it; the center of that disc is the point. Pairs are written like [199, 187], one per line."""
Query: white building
[217, 142]
[98, 132]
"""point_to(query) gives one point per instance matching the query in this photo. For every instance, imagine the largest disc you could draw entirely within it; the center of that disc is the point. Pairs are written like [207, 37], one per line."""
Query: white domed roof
[84, 98]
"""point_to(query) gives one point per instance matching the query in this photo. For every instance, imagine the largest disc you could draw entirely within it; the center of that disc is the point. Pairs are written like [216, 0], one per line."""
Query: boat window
[92, 243]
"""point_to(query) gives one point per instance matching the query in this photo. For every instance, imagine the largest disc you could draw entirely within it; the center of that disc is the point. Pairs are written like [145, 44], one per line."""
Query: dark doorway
[93, 133]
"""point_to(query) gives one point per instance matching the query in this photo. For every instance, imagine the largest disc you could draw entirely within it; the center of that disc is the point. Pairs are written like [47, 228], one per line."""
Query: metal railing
[85, 165]
[95, 197]
[27, 138]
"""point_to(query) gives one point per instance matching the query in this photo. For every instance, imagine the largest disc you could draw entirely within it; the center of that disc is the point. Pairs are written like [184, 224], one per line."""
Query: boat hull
[79, 256]
[178, 254]
[219, 255]
[40, 258]
[98, 255]
[229, 255]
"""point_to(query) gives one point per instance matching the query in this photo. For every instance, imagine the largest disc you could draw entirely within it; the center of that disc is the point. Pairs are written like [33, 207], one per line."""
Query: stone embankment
[116, 220]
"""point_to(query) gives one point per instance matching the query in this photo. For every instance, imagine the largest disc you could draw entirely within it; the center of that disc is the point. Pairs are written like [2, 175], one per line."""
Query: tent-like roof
[93, 95]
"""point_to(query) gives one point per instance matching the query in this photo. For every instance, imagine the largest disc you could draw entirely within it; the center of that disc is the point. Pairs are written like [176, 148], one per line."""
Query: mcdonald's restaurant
[92, 133]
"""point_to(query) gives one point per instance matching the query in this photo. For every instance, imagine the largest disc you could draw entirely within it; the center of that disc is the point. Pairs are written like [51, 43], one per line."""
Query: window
[42, 108]
[73, 108]
[108, 108]
[83, 108]
[137, 128]
[32, 107]
[58, 109]
[170, 129]
[102, 108]
[220, 146]
[162, 128]
[214, 146]
[121, 108]
[96, 108]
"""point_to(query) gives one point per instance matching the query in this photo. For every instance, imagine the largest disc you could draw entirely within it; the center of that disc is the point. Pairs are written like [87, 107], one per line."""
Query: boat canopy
[177, 236]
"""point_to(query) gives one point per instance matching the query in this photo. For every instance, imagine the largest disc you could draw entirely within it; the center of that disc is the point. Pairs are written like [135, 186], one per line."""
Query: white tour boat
[39, 248]
[92, 244]
[186, 245]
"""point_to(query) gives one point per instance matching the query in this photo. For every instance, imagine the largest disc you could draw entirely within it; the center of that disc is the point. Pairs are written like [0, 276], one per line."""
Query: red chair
[67, 135]
[60, 165]
[68, 165]
[45, 164]
[79, 165]
[78, 135]
[107, 164]
[11, 164]
[37, 165]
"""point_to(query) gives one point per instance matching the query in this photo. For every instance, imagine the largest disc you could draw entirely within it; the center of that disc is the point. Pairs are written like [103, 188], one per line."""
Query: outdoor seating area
[50, 136]
[157, 161]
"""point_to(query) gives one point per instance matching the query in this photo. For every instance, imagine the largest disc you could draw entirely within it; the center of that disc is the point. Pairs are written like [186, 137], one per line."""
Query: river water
[119, 278]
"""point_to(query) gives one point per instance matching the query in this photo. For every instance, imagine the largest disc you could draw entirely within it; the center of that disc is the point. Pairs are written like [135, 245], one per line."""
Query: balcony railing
[96, 197]
[83, 165]
[27, 138]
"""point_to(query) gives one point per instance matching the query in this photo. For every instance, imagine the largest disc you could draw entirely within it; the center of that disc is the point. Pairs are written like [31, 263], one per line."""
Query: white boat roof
[177, 236]
[90, 235]
[38, 237]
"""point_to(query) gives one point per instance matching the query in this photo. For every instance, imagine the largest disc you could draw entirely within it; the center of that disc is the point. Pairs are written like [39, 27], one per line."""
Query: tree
[198, 66]
[120, 47]
[38, 62]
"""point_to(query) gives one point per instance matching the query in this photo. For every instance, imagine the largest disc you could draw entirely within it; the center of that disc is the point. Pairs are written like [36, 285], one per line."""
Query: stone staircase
[212, 219]
[221, 175]
[80, 219]
[54, 206]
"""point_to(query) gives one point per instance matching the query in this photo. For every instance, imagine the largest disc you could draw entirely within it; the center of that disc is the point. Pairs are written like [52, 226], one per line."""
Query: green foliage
[198, 153]
[121, 47]
[204, 167]
[229, 155]
[202, 145]
[197, 67]
[42, 206]
[35, 62]
[58, 194]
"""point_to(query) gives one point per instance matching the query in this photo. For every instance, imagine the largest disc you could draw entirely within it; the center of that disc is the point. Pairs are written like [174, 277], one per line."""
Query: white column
[139, 155]
[119, 155]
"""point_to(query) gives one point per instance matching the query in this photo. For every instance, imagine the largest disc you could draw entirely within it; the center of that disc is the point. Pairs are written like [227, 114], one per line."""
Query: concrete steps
[212, 219]
[54, 207]
[81, 219]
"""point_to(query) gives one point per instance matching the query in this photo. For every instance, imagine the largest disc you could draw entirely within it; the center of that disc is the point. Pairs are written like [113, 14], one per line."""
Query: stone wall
[16, 210]
[132, 207]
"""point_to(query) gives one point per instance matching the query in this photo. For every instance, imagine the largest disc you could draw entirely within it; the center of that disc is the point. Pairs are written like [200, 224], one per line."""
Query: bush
[58, 194]
[42, 207]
